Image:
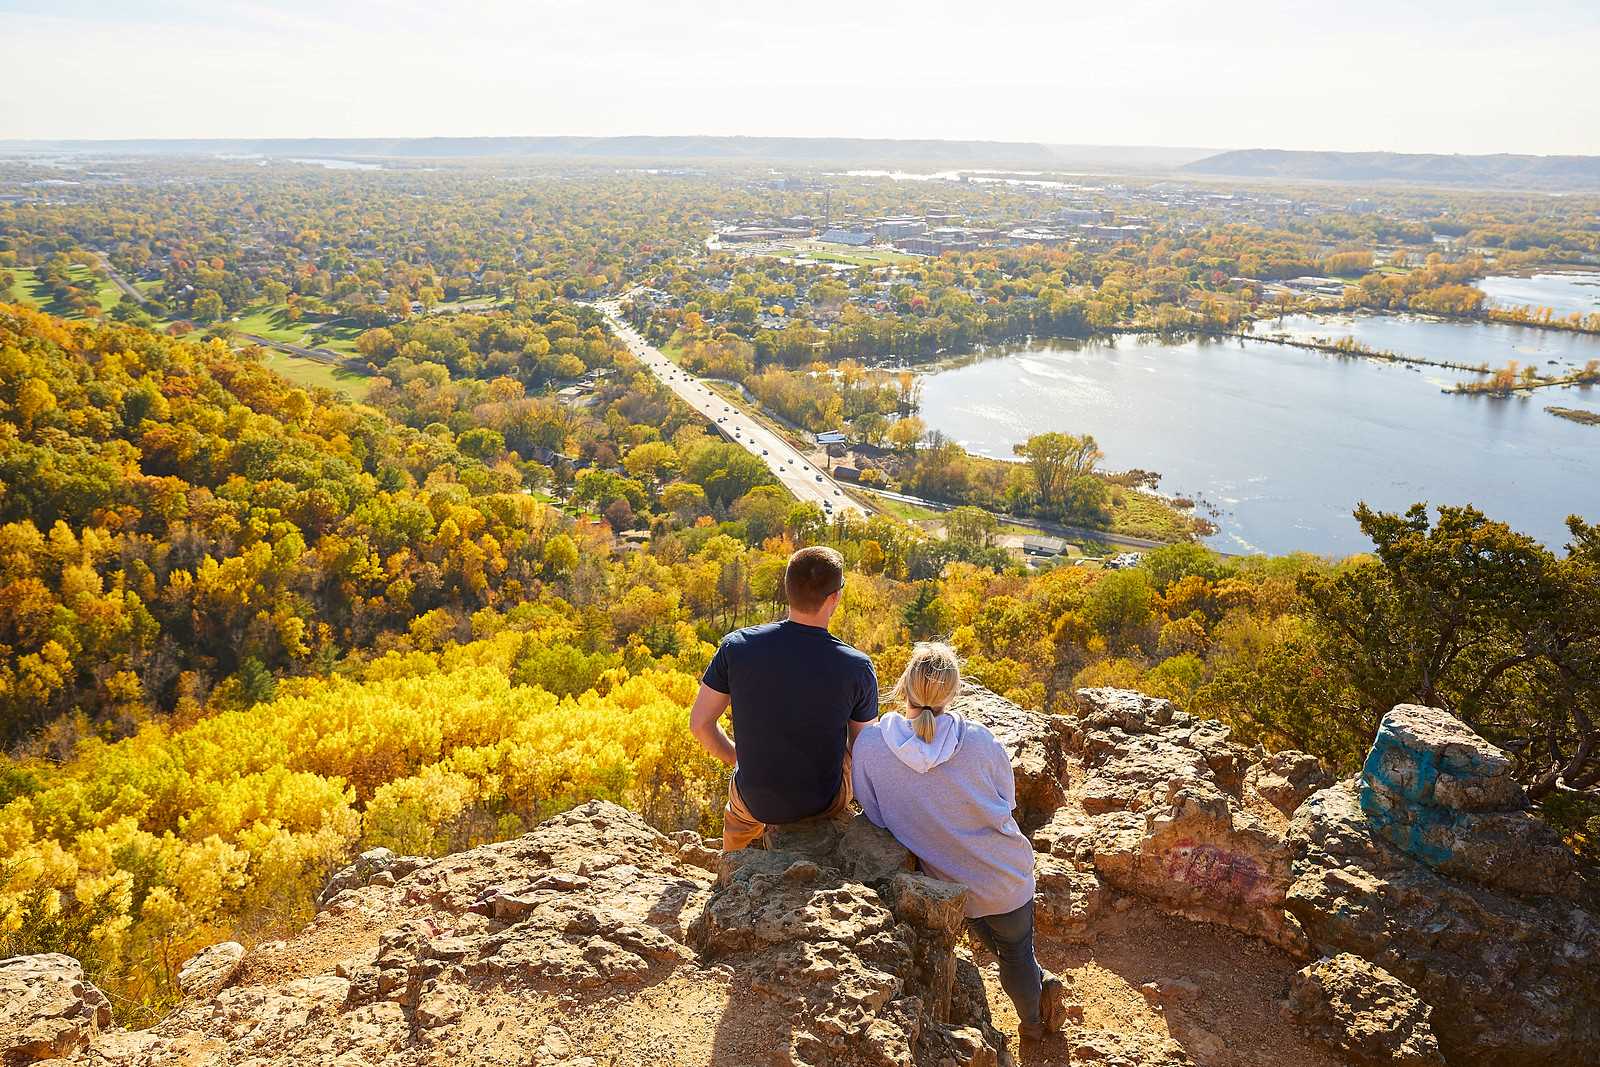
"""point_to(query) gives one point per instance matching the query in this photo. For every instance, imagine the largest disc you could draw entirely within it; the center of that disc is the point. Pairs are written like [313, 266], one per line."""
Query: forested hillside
[247, 628]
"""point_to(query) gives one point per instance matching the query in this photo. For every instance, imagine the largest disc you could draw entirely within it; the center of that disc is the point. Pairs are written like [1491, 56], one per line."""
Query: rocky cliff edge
[1212, 905]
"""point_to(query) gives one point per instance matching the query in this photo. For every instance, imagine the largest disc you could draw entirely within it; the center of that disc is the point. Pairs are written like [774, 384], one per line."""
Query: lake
[1284, 442]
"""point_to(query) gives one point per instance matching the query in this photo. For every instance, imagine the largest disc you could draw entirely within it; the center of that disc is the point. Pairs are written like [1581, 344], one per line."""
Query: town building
[895, 228]
[853, 238]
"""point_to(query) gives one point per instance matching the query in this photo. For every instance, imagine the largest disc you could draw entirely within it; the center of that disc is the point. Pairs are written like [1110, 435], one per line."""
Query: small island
[1588, 418]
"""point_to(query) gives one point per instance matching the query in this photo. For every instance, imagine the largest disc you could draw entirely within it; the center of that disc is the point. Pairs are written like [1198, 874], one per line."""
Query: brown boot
[1052, 1005]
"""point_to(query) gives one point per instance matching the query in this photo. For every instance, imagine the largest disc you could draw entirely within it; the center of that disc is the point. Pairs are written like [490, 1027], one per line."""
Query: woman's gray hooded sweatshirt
[949, 801]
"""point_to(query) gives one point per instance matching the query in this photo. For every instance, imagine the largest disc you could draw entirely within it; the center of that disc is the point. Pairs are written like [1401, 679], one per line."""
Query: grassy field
[902, 510]
[310, 373]
[917, 514]
[1144, 515]
[272, 321]
[28, 290]
[855, 257]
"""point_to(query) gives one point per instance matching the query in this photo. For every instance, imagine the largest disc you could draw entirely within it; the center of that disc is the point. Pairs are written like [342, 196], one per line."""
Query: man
[800, 696]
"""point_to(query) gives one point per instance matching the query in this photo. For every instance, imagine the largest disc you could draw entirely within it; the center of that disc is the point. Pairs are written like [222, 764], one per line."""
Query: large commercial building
[839, 236]
[896, 228]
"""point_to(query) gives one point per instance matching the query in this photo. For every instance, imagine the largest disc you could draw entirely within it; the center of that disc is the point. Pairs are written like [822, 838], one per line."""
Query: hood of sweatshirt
[921, 756]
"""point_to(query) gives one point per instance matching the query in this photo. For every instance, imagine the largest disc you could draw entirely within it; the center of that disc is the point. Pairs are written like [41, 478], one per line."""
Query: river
[1563, 291]
[1283, 442]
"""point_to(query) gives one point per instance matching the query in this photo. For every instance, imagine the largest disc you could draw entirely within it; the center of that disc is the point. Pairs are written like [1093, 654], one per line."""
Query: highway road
[120, 282]
[797, 474]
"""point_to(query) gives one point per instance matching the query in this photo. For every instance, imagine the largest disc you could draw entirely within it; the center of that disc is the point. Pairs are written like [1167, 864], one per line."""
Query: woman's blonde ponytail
[929, 683]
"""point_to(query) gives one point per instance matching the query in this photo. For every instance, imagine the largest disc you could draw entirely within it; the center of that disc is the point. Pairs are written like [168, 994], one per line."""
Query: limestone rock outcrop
[1423, 866]
[474, 957]
[376, 866]
[48, 1009]
[1284, 779]
[832, 923]
[1160, 814]
[1440, 793]
[207, 971]
[1365, 1012]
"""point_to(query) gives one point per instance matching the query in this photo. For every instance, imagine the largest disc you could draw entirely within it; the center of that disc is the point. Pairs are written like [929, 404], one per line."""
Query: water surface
[1453, 340]
[1284, 442]
[338, 164]
[1564, 292]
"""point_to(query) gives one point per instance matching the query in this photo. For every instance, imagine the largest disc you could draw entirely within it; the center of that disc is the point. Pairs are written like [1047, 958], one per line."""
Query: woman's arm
[1005, 779]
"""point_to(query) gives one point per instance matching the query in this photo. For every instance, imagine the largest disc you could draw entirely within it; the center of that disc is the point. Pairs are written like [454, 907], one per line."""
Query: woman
[943, 787]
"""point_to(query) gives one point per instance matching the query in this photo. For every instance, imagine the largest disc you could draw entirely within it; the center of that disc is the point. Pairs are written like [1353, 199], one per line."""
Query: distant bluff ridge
[1416, 914]
[1508, 171]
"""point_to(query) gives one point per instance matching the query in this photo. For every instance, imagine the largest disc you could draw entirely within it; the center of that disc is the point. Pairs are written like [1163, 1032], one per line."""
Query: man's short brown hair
[812, 576]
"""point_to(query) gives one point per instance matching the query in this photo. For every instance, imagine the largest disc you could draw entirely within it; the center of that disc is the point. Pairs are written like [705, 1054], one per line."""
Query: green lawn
[266, 321]
[902, 510]
[28, 289]
[272, 321]
[855, 257]
[310, 373]
[1145, 515]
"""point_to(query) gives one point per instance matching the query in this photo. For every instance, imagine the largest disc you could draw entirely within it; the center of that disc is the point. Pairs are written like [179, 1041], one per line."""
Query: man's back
[794, 689]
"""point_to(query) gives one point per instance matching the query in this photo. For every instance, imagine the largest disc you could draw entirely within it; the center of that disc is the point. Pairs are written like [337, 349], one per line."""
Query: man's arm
[855, 732]
[865, 712]
[708, 708]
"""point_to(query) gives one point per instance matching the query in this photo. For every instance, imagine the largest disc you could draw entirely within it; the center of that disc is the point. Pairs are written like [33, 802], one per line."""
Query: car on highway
[819, 477]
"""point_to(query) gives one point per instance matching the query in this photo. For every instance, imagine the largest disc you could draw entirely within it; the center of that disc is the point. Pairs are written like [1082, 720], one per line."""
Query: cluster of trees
[1438, 288]
[847, 396]
[178, 521]
[1058, 478]
[1545, 317]
[1456, 611]
[543, 341]
[67, 284]
[1515, 376]
[133, 855]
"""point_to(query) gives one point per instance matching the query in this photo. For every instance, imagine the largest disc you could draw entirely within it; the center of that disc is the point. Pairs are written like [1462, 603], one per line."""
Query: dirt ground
[1217, 1003]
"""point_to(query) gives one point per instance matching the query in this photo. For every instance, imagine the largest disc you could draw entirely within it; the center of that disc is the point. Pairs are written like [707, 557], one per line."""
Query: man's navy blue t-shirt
[794, 689]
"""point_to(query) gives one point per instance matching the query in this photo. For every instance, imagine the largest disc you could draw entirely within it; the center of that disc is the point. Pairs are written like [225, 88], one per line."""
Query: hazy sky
[1443, 75]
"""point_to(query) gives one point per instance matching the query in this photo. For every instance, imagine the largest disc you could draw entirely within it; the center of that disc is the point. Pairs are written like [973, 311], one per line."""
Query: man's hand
[708, 708]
